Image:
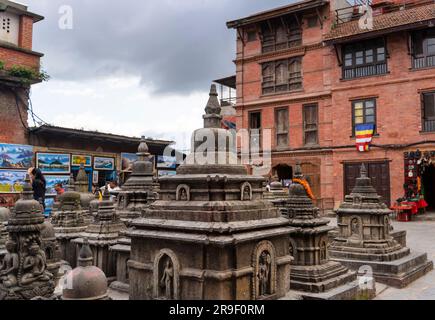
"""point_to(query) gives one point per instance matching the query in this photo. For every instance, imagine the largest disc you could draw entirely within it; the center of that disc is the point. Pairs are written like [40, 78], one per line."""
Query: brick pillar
[26, 32]
[11, 127]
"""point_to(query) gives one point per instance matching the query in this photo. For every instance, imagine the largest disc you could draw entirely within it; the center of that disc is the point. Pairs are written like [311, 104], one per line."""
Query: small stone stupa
[82, 187]
[86, 282]
[102, 233]
[68, 222]
[23, 272]
[277, 194]
[4, 217]
[312, 271]
[364, 239]
[140, 189]
[210, 236]
[52, 250]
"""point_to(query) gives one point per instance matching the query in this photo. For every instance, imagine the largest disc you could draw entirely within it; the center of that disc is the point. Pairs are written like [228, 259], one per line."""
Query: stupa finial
[212, 117]
[71, 183]
[27, 193]
[86, 257]
[298, 171]
[363, 171]
[106, 193]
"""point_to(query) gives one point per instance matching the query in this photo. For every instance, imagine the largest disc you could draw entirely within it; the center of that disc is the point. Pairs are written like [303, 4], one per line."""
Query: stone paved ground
[421, 238]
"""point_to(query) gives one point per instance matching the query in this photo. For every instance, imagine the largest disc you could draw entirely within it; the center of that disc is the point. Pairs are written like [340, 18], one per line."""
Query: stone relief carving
[323, 245]
[183, 193]
[10, 265]
[355, 227]
[264, 264]
[166, 273]
[246, 192]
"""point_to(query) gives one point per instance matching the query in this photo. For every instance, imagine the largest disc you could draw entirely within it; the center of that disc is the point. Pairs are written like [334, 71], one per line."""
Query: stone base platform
[397, 273]
[321, 278]
[347, 291]
[120, 286]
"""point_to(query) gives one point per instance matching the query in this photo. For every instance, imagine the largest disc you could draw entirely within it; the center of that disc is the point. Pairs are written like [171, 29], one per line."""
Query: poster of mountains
[12, 181]
[15, 156]
[56, 163]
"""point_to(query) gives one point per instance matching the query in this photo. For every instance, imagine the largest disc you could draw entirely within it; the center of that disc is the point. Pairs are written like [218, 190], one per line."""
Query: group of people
[39, 186]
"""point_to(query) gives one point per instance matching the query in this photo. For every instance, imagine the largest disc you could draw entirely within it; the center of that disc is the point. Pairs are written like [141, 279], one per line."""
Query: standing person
[38, 185]
[59, 189]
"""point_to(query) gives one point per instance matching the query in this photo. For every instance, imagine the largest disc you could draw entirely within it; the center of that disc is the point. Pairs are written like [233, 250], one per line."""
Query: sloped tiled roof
[384, 23]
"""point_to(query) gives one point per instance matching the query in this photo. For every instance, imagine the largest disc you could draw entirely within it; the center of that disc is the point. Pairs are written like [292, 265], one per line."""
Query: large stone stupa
[312, 271]
[364, 239]
[23, 272]
[210, 235]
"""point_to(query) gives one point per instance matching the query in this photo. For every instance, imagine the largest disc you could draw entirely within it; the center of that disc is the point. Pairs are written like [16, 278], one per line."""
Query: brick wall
[26, 32]
[11, 128]
[13, 57]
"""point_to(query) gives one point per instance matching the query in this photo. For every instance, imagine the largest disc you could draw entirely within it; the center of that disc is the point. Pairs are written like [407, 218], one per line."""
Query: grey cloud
[175, 46]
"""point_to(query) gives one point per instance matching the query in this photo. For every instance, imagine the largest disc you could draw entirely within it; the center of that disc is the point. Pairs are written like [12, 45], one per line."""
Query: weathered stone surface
[82, 187]
[4, 217]
[277, 194]
[312, 271]
[365, 239]
[52, 250]
[23, 272]
[210, 235]
[86, 282]
[68, 222]
[102, 233]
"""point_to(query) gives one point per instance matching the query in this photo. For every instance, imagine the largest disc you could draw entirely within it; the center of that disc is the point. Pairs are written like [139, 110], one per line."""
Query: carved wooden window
[423, 45]
[428, 111]
[363, 112]
[364, 59]
[255, 128]
[282, 127]
[282, 76]
[311, 130]
[281, 34]
[251, 35]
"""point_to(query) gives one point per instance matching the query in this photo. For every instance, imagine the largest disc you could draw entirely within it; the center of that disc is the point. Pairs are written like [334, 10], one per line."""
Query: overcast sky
[135, 67]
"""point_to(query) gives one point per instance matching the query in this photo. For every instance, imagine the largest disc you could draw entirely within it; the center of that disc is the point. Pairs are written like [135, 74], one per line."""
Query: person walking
[39, 185]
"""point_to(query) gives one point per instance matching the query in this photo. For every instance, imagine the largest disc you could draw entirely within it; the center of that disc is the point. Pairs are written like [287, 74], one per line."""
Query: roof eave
[262, 16]
[377, 33]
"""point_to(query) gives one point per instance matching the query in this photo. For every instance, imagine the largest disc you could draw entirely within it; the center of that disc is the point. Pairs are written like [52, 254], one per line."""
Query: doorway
[284, 172]
[428, 181]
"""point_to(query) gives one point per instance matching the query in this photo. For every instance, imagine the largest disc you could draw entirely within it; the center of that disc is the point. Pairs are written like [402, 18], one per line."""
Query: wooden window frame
[284, 132]
[364, 113]
[269, 34]
[368, 69]
[425, 119]
[425, 59]
[260, 129]
[293, 80]
[305, 130]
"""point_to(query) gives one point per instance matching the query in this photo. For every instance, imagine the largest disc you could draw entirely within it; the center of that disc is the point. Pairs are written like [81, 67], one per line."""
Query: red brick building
[16, 32]
[309, 72]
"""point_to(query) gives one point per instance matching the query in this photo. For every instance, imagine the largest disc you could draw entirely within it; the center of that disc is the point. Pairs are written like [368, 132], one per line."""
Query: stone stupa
[23, 272]
[364, 239]
[103, 232]
[86, 282]
[277, 194]
[4, 217]
[210, 236]
[138, 192]
[68, 222]
[82, 187]
[140, 188]
[312, 271]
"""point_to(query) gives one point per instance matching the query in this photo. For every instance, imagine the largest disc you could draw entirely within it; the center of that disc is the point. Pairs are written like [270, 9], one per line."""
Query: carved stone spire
[86, 257]
[71, 184]
[364, 187]
[212, 117]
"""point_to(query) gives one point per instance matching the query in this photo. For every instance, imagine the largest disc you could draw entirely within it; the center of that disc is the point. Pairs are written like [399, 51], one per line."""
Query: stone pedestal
[23, 272]
[103, 233]
[68, 222]
[312, 271]
[364, 239]
[278, 195]
[210, 236]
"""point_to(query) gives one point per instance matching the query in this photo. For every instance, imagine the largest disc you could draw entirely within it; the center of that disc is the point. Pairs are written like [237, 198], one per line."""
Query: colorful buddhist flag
[364, 135]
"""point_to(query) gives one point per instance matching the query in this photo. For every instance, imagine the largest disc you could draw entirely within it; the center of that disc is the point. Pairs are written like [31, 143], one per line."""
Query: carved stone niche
[323, 245]
[355, 228]
[292, 249]
[166, 274]
[264, 265]
[246, 192]
[183, 193]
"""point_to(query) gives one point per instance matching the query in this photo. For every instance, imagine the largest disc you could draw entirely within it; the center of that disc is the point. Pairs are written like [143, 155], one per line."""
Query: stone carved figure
[264, 267]
[183, 194]
[323, 251]
[246, 192]
[10, 265]
[35, 266]
[354, 227]
[167, 279]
